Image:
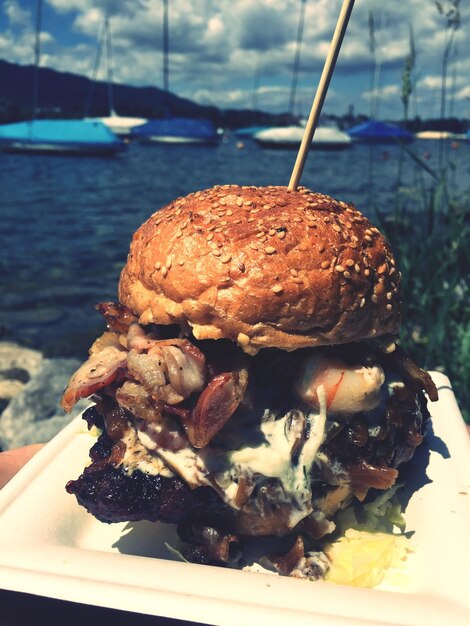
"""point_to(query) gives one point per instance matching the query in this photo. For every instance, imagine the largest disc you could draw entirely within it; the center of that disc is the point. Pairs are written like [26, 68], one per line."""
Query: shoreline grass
[429, 231]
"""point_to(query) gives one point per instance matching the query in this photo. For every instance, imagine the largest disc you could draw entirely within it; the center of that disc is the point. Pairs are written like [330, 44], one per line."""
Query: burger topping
[215, 405]
[349, 388]
[272, 459]
[102, 368]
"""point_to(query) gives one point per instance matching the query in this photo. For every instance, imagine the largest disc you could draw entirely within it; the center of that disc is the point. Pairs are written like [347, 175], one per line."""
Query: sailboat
[64, 137]
[172, 129]
[290, 137]
[376, 132]
[120, 125]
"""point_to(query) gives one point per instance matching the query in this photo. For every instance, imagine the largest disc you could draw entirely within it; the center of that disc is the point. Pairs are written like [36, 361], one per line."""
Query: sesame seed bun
[264, 267]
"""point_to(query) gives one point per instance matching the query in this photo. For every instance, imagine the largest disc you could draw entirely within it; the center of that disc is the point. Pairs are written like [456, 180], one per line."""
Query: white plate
[50, 546]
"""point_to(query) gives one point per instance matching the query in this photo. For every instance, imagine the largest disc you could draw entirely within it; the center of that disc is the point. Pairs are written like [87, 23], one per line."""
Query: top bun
[264, 267]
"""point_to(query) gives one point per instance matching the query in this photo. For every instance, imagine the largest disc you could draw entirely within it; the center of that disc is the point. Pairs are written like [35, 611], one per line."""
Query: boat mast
[109, 66]
[37, 55]
[166, 85]
[166, 46]
[295, 70]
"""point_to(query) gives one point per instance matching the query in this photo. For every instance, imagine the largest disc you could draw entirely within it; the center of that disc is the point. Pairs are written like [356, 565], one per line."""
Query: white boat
[120, 124]
[290, 137]
[438, 134]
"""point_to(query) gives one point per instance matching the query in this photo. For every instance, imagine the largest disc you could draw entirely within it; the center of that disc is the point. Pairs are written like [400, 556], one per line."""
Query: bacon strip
[100, 370]
[215, 405]
[363, 474]
[417, 378]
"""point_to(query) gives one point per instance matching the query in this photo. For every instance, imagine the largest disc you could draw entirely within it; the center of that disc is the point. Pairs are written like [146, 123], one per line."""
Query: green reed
[429, 232]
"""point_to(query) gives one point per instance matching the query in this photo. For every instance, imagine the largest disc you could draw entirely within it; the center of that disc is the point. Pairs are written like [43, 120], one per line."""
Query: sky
[240, 53]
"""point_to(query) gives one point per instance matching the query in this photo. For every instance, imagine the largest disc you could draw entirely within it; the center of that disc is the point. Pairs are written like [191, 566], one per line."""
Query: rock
[17, 365]
[34, 414]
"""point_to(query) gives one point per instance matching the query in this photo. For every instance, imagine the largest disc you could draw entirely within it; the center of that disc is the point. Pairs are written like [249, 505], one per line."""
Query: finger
[11, 461]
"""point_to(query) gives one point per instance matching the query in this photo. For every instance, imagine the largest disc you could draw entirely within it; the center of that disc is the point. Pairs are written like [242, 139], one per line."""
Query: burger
[249, 384]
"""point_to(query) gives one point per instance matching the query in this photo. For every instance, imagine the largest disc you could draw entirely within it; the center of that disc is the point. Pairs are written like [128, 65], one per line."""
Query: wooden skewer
[322, 89]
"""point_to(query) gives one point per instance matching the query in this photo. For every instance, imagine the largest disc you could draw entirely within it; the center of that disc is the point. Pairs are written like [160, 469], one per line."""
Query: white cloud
[218, 46]
[17, 16]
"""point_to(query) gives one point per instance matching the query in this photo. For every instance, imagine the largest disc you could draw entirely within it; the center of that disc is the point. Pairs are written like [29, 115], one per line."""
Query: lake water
[66, 223]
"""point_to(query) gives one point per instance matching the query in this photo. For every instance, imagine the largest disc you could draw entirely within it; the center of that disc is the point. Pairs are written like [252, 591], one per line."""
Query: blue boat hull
[177, 130]
[59, 137]
[373, 132]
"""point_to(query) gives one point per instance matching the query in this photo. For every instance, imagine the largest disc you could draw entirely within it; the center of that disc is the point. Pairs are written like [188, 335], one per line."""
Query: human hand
[11, 461]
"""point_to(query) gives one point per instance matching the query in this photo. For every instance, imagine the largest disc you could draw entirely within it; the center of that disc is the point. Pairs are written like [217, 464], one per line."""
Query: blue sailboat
[170, 128]
[373, 132]
[177, 130]
[64, 137]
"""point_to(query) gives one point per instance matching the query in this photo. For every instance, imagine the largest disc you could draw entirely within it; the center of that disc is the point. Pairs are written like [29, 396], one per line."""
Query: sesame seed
[272, 232]
[349, 263]
[168, 264]
[248, 203]
[367, 272]
[389, 295]
[374, 298]
[294, 272]
[229, 212]
[253, 246]
[181, 263]
[226, 258]
[389, 307]
[216, 252]
[321, 247]
[281, 234]
[297, 280]
[239, 202]
[339, 268]
[210, 236]
[298, 219]
[270, 250]
[164, 271]
[368, 238]
[336, 228]
[179, 233]
[277, 288]
[362, 302]
[352, 244]
[347, 274]
[325, 264]
[158, 265]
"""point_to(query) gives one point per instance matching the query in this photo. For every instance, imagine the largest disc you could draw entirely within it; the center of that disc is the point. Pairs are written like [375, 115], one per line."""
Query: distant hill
[66, 95]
